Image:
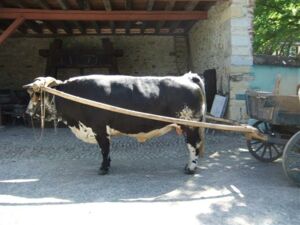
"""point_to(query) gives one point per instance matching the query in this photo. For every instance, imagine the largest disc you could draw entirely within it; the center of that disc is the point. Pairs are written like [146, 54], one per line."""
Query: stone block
[237, 11]
[239, 60]
[240, 50]
[241, 22]
[240, 40]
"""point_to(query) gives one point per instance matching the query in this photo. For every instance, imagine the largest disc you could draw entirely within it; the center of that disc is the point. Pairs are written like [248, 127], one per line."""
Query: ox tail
[200, 82]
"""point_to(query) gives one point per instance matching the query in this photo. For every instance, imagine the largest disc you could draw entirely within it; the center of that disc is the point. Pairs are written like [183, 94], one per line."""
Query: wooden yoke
[250, 132]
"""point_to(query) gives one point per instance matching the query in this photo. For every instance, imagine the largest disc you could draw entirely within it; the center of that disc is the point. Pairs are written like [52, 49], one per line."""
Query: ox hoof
[103, 171]
[188, 171]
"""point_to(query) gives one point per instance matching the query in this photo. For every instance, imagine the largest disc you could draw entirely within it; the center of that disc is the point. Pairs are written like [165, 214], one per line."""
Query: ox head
[35, 93]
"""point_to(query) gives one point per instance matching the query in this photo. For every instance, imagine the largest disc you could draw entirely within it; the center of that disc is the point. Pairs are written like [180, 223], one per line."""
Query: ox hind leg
[195, 145]
[104, 144]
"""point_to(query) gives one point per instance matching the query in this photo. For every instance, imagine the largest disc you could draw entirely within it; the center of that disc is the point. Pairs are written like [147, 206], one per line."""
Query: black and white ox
[181, 97]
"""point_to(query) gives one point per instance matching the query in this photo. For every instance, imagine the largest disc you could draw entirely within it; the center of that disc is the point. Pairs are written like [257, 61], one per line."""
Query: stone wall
[241, 56]
[20, 62]
[210, 44]
[223, 42]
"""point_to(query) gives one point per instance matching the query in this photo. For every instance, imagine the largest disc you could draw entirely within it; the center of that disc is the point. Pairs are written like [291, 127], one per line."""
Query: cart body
[278, 117]
[283, 110]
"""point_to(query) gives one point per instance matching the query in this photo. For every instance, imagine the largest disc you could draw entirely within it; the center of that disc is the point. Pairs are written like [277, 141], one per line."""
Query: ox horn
[26, 86]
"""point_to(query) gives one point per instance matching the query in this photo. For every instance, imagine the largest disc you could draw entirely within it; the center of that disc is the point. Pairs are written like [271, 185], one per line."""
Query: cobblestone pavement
[53, 180]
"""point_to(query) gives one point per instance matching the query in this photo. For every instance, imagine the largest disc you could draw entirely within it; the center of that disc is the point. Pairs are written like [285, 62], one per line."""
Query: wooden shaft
[251, 131]
[18, 21]
[93, 15]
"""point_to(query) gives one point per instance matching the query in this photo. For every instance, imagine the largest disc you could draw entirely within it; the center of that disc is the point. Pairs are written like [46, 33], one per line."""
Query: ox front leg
[195, 146]
[103, 141]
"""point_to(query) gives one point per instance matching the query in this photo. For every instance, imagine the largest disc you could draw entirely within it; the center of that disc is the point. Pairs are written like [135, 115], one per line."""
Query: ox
[181, 97]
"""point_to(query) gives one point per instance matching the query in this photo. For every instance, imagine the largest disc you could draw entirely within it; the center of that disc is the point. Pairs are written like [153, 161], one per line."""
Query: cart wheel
[291, 158]
[264, 151]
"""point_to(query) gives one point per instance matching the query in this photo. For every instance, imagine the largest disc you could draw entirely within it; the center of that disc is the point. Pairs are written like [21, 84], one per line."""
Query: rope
[250, 132]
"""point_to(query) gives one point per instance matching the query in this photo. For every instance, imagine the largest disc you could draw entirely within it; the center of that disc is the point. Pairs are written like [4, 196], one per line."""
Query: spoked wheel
[264, 151]
[291, 158]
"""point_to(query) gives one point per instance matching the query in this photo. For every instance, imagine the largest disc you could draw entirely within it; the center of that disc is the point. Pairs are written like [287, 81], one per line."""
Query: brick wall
[20, 62]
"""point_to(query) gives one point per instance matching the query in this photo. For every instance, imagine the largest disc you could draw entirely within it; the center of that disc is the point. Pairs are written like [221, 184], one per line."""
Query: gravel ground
[54, 180]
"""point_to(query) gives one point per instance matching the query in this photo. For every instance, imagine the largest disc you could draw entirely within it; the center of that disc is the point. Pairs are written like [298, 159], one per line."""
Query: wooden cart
[278, 120]
[278, 117]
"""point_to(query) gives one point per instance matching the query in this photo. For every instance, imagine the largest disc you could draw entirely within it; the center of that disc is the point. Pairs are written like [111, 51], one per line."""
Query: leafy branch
[276, 26]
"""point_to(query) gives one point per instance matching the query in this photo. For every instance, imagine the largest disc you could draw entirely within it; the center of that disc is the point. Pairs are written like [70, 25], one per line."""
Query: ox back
[181, 97]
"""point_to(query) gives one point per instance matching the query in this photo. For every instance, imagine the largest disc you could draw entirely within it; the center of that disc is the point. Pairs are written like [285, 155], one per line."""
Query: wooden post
[109, 50]
[51, 66]
[11, 29]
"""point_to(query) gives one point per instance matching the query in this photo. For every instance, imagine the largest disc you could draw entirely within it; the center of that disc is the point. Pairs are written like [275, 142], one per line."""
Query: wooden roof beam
[27, 24]
[34, 25]
[92, 15]
[190, 7]
[107, 5]
[150, 5]
[128, 6]
[65, 6]
[191, 0]
[11, 29]
[169, 7]
[44, 5]
[85, 5]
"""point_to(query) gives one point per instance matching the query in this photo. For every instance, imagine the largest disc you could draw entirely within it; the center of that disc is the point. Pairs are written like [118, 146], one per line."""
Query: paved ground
[54, 181]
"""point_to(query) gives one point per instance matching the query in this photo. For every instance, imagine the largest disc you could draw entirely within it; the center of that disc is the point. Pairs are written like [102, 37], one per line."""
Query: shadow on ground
[229, 183]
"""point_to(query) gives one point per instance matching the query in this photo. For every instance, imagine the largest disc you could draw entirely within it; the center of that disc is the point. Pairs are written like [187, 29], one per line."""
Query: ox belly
[87, 135]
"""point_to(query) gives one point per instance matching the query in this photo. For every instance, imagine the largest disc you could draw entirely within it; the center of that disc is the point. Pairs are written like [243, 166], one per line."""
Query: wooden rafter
[36, 27]
[11, 29]
[188, 0]
[150, 4]
[190, 7]
[85, 5]
[80, 15]
[28, 25]
[169, 7]
[65, 6]
[156, 17]
[128, 6]
[107, 5]
[43, 4]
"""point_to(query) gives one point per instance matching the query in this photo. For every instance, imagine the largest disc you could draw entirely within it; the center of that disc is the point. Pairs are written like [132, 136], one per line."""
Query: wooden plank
[92, 15]
[11, 29]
